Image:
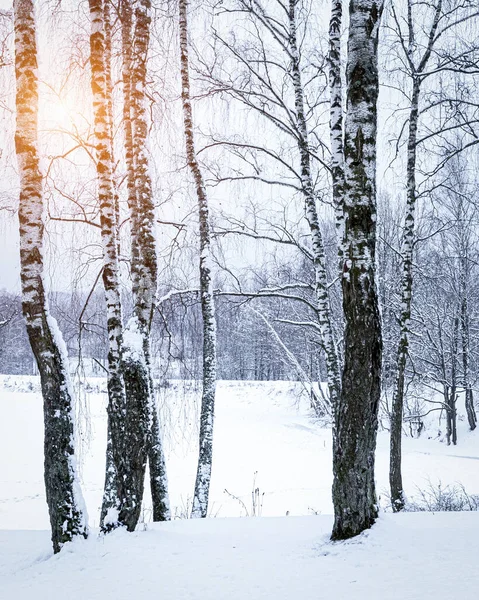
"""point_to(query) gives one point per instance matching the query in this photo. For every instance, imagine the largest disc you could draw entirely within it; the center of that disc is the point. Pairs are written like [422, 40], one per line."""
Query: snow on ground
[265, 439]
[261, 428]
[414, 556]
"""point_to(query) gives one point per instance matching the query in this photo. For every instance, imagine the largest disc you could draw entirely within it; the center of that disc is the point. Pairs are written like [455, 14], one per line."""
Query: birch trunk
[354, 436]
[134, 370]
[205, 459]
[64, 499]
[115, 497]
[451, 420]
[127, 59]
[336, 118]
[321, 283]
[122, 505]
[143, 261]
[465, 339]
[110, 493]
[395, 453]
[145, 213]
[464, 287]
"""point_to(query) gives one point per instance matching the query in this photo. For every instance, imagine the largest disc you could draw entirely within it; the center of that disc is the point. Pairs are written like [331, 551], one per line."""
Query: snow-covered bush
[437, 498]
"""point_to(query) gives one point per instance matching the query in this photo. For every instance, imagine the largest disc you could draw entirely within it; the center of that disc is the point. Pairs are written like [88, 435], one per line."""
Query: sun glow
[67, 111]
[65, 121]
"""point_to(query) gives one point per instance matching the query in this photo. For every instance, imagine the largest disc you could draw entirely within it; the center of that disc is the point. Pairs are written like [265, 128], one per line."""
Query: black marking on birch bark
[117, 494]
[205, 458]
[321, 283]
[336, 119]
[62, 489]
[395, 451]
[135, 41]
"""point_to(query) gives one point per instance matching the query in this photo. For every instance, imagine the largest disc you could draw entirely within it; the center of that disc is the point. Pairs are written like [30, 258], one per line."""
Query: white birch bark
[318, 404]
[144, 260]
[464, 286]
[321, 283]
[205, 459]
[113, 492]
[65, 503]
[120, 505]
[336, 118]
[395, 474]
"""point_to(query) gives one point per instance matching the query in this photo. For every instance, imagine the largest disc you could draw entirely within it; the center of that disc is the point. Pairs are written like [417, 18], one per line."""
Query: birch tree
[336, 116]
[417, 53]
[465, 251]
[321, 282]
[65, 503]
[133, 428]
[144, 268]
[417, 70]
[205, 458]
[354, 435]
[282, 84]
[117, 490]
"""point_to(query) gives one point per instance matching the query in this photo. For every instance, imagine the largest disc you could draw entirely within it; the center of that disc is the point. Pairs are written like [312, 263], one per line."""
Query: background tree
[425, 54]
[205, 459]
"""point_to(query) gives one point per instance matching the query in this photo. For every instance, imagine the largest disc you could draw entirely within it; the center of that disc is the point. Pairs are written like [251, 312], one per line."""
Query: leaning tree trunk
[319, 261]
[354, 443]
[64, 499]
[144, 261]
[205, 459]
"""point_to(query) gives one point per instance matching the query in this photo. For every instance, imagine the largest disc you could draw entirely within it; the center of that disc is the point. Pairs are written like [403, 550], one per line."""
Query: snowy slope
[261, 427]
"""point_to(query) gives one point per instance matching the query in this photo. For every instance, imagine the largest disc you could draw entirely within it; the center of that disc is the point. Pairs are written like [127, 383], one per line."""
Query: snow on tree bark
[395, 474]
[121, 505]
[68, 517]
[137, 389]
[354, 434]
[205, 459]
[321, 283]
[158, 474]
[143, 261]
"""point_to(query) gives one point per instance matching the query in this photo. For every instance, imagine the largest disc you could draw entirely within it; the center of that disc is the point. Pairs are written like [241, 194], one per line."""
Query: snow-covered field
[265, 440]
